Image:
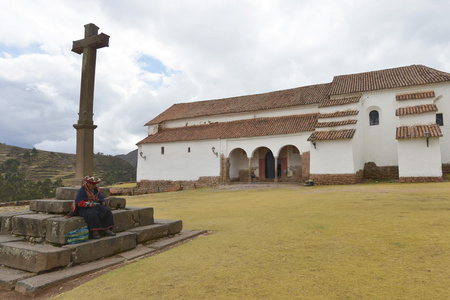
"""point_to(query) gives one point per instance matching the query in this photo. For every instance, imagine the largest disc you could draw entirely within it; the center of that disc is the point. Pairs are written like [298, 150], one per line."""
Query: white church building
[386, 124]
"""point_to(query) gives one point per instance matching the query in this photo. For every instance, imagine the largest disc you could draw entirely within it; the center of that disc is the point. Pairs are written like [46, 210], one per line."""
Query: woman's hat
[92, 179]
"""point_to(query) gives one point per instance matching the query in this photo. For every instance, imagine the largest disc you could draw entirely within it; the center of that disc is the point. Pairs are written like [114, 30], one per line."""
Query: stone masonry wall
[155, 186]
[335, 179]
[372, 171]
[445, 168]
[420, 179]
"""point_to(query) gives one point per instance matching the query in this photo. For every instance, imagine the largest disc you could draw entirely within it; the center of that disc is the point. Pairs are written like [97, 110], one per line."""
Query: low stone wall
[420, 179]
[445, 168]
[372, 171]
[157, 186]
[336, 179]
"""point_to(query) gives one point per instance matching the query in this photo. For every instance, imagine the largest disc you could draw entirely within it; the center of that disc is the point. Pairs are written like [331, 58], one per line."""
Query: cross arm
[96, 41]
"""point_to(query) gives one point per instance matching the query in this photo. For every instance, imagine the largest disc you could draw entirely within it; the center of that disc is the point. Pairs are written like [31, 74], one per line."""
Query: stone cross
[85, 126]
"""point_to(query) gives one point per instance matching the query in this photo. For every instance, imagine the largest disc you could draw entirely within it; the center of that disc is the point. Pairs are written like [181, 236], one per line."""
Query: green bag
[79, 235]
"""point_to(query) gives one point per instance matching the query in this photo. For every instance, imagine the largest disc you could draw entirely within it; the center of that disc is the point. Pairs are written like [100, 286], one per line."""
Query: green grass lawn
[377, 241]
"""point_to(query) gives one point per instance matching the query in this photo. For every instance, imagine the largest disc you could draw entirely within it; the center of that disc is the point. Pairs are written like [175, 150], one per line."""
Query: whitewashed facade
[380, 124]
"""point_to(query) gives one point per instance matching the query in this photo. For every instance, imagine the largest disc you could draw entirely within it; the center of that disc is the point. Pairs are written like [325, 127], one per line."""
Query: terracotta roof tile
[387, 79]
[286, 98]
[332, 135]
[339, 114]
[418, 109]
[418, 131]
[411, 96]
[334, 124]
[341, 101]
[236, 129]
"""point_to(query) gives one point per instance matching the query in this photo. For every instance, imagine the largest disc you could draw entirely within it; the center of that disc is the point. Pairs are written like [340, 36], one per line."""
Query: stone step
[53, 228]
[35, 258]
[6, 217]
[55, 206]
[69, 193]
[104, 247]
[51, 206]
[159, 229]
[39, 258]
[31, 284]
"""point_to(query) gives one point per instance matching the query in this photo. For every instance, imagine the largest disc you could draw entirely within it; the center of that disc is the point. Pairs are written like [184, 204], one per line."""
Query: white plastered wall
[332, 157]
[177, 163]
[418, 160]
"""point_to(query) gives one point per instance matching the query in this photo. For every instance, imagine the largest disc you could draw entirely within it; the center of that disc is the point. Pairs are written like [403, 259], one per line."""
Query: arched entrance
[270, 166]
[238, 165]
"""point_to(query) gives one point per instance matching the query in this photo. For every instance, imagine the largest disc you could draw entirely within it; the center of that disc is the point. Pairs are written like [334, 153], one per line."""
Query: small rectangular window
[440, 119]
[162, 150]
[189, 149]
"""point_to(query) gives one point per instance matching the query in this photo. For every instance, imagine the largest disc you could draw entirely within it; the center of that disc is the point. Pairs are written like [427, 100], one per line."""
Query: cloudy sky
[172, 51]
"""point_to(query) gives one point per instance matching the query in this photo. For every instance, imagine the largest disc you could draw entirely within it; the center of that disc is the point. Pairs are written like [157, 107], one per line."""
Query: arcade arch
[265, 165]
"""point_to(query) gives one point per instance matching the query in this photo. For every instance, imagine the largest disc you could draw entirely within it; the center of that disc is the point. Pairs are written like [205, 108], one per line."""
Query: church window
[374, 118]
[440, 119]
[162, 150]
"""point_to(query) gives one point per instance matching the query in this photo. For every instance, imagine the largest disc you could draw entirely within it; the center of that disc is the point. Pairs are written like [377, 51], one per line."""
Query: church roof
[386, 79]
[279, 99]
[236, 129]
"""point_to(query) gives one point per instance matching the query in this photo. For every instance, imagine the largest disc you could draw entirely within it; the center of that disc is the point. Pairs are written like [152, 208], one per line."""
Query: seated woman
[91, 205]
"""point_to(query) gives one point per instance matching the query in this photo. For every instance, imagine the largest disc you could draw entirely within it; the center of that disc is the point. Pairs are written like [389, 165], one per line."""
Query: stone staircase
[33, 242]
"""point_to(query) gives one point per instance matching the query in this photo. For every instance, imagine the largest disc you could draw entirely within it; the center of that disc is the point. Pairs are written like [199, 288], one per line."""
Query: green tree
[11, 165]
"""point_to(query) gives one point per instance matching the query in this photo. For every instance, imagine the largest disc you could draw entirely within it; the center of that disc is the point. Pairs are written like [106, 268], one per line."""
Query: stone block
[123, 220]
[5, 220]
[51, 206]
[179, 238]
[37, 284]
[35, 258]
[116, 203]
[174, 226]
[58, 227]
[104, 247]
[66, 193]
[142, 216]
[9, 277]
[70, 193]
[105, 192]
[137, 252]
[9, 238]
[30, 225]
[150, 232]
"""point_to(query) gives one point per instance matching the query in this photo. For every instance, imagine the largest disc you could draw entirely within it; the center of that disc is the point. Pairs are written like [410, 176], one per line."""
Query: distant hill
[130, 157]
[41, 165]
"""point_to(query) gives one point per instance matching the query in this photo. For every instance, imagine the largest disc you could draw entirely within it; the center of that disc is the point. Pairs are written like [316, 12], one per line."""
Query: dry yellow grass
[384, 241]
[128, 185]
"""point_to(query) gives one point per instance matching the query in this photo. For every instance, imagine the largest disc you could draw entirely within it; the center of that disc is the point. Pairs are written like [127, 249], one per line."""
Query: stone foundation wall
[372, 171]
[335, 179]
[155, 186]
[420, 179]
[445, 168]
